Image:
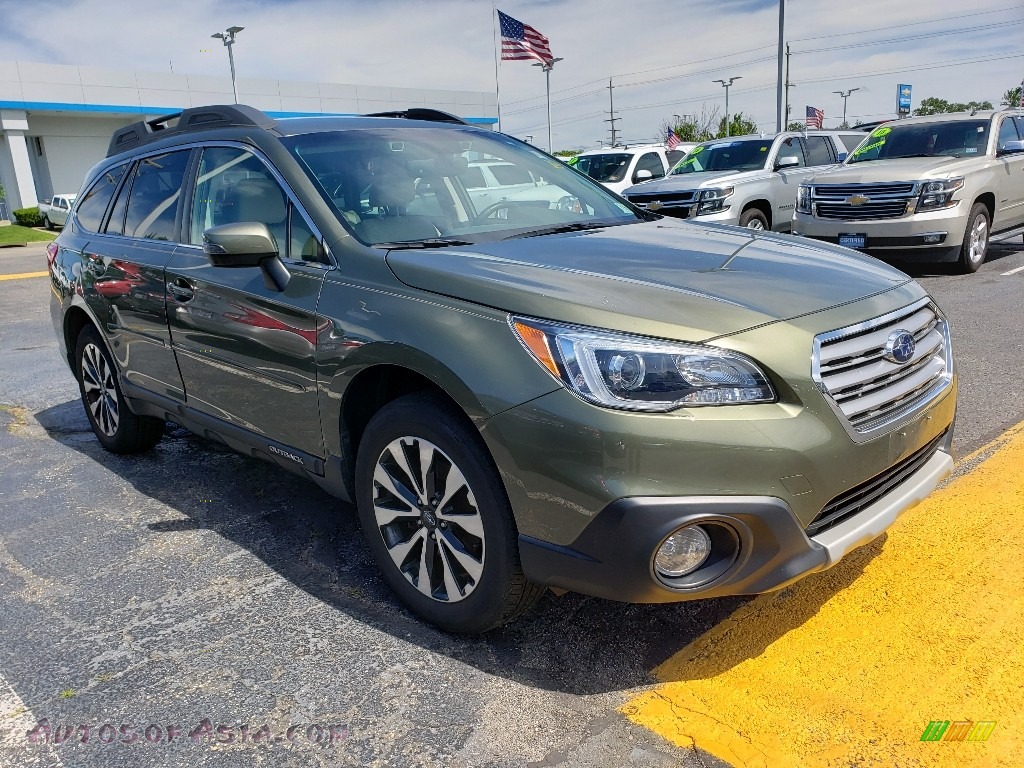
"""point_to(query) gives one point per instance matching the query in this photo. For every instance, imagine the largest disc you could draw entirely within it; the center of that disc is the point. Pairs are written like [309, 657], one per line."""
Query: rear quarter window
[94, 202]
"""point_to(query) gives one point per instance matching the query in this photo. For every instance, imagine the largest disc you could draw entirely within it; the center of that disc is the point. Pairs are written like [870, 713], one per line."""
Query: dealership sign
[903, 99]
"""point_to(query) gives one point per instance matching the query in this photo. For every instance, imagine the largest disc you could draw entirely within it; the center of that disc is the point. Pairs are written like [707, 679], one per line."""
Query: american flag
[521, 41]
[814, 117]
[671, 141]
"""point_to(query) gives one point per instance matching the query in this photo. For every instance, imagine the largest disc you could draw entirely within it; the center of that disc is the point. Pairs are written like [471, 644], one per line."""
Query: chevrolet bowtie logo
[857, 199]
[654, 205]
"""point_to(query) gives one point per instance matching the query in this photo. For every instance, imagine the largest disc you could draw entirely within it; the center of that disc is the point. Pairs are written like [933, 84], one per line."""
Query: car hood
[897, 169]
[701, 179]
[666, 278]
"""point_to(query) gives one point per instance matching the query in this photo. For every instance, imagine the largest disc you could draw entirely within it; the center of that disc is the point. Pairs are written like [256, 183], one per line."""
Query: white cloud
[449, 44]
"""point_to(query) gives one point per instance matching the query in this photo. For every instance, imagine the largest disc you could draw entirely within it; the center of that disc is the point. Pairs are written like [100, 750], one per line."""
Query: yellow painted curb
[23, 275]
[848, 667]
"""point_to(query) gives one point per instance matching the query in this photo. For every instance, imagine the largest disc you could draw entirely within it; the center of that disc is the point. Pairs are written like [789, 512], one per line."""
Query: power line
[1000, 25]
[911, 24]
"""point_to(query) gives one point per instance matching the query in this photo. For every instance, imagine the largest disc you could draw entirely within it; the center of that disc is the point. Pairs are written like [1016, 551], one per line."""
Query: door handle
[181, 290]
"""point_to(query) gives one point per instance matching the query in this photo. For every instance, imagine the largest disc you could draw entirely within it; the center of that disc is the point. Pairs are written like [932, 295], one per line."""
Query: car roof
[626, 150]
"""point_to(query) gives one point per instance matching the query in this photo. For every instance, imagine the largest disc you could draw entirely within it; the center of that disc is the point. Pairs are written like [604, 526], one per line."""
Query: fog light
[683, 552]
[932, 238]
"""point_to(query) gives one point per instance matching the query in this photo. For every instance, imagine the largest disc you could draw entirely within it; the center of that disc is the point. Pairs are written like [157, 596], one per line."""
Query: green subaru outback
[553, 389]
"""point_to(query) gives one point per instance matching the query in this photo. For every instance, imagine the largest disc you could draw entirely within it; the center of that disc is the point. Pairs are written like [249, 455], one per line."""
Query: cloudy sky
[662, 55]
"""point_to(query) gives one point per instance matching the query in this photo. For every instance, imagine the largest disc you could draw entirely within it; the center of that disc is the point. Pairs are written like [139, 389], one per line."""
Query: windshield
[955, 138]
[741, 155]
[605, 168]
[436, 186]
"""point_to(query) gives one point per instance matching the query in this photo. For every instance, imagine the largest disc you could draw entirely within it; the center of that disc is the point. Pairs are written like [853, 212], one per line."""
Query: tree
[1010, 99]
[936, 106]
[739, 126]
[795, 126]
[696, 127]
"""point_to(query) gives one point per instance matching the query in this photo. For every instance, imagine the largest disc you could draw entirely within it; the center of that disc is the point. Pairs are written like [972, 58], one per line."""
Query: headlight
[712, 200]
[939, 194]
[803, 199]
[638, 374]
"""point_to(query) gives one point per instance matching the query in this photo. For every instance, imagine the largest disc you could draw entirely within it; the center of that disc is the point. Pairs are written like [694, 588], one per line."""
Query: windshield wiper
[574, 226]
[430, 242]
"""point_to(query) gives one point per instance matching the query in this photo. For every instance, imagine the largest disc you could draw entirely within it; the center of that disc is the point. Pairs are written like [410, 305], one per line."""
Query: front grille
[663, 197]
[853, 501]
[890, 209]
[889, 189]
[868, 388]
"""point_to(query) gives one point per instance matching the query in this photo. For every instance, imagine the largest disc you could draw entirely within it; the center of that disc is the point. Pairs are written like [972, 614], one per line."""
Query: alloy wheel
[979, 239]
[99, 390]
[429, 519]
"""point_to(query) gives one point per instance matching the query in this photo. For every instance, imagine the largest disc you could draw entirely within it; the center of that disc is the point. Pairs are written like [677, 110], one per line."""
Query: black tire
[470, 583]
[48, 224]
[752, 218]
[116, 427]
[974, 250]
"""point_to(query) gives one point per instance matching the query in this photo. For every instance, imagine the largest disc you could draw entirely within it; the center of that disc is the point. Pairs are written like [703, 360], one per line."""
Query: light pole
[228, 38]
[845, 95]
[726, 86]
[547, 66]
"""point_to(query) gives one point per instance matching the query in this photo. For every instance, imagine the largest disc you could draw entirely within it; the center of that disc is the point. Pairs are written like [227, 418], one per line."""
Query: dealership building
[56, 120]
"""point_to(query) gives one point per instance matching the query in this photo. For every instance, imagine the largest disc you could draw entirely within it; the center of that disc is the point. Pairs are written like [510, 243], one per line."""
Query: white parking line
[1013, 271]
[16, 720]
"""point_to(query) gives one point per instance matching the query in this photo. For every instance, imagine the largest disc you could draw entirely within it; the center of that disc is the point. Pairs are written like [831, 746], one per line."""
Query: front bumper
[613, 557]
[931, 236]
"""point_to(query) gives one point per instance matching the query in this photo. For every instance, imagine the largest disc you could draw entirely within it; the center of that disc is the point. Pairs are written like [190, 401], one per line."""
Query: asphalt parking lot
[193, 588]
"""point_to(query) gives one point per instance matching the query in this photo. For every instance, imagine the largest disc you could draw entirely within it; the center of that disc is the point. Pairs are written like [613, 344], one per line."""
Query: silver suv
[931, 188]
[746, 180]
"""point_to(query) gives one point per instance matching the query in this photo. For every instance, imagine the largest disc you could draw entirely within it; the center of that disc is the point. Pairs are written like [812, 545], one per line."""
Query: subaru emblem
[899, 347]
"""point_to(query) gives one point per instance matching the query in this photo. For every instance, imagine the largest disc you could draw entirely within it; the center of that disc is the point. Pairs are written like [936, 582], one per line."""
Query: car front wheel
[437, 518]
[116, 427]
[753, 219]
[975, 247]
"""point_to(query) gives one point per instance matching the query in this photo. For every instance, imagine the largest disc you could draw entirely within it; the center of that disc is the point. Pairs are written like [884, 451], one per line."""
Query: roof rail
[421, 113]
[186, 121]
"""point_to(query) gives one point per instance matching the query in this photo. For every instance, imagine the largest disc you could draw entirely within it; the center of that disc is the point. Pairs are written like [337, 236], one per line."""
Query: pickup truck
[750, 181]
[934, 188]
[55, 211]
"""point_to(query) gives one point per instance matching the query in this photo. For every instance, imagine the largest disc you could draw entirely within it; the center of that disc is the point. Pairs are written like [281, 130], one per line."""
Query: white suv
[620, 167]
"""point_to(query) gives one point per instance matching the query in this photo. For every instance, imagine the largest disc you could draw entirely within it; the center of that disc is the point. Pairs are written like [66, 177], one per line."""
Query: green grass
[18, 234]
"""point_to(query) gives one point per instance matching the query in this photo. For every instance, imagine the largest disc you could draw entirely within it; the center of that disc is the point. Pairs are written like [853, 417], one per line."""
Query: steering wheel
[486, 212]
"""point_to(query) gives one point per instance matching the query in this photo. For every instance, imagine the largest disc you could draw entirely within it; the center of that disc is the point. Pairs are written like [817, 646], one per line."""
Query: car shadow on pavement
[572, 643]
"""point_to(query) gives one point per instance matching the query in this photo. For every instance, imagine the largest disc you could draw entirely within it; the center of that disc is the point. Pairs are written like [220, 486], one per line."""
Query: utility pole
[728, 118]
[611, 112]
[781, 108]
[788, 85]
[845, 95]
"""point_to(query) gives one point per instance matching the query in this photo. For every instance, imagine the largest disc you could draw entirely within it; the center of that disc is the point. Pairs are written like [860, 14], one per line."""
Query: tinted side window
[156, 191]
[115, 225]
[792, 147]
[819, 150]
[1020, 126]
[651, 161]
[234, 185]
[1007, 132]
[94, 202]
[511, 174]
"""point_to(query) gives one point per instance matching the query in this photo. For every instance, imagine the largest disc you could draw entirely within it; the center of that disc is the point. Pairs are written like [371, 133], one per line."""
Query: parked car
[55, 211]
[934, 188]
[621, 167]
[749, 181]
[584, 396]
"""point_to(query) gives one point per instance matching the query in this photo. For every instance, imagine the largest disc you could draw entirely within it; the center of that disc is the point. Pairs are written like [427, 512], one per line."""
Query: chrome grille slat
[883, 210]
[870, 390]
[905, 188]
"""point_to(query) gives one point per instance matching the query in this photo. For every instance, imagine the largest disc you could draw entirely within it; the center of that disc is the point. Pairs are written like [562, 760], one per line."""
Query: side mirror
[642, 175]
[789, 161]
[1011, 147]
[246, 244]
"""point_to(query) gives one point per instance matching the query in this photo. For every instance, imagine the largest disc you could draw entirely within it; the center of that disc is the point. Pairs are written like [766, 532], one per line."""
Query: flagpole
[497, 85]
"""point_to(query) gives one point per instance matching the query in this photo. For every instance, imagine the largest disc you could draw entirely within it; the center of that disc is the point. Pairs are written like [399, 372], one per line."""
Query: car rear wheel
[975, 246]
[47, 223]
[437, 519]
[753, 219]
[116, 427]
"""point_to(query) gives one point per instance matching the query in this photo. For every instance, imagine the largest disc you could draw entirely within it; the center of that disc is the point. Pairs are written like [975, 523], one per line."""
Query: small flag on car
[814, 117]
[672, 140]
[521, 41]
